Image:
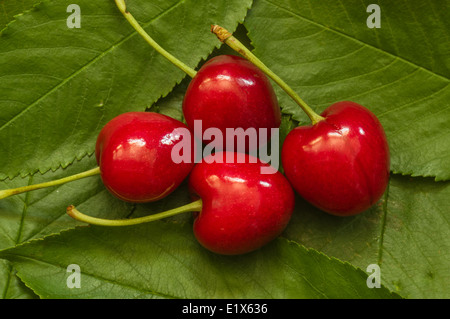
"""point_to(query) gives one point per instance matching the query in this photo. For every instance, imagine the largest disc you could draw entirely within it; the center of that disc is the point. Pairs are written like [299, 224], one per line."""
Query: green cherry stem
[74, 213]
[14, 191]
[123, 8]
[226, 37]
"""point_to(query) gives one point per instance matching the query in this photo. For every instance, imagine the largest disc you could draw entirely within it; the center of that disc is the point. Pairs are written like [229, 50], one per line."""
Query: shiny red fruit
[242, 208]
[230, 92]
[341, 164]
[133, 152]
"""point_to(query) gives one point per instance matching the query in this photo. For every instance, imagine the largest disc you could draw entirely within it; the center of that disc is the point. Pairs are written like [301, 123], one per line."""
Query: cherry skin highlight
[242, 209]
[230, 92]
[341, 164]
[133, 151]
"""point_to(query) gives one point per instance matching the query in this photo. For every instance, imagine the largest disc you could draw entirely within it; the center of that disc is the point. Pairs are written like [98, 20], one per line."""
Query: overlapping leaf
[407, 234]
[163, 260]
[325, 51]
[59, 86]
[43, 212]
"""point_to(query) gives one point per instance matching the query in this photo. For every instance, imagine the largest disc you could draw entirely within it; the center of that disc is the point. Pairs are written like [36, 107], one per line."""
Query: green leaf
[325, 52]
[59, 86]
[11, 8]
[415, 251]
[407, 234]
[42, 212]
[163, 260]
[11, 287]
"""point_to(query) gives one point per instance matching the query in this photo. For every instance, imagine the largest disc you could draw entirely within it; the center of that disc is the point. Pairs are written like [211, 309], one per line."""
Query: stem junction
[226, 37]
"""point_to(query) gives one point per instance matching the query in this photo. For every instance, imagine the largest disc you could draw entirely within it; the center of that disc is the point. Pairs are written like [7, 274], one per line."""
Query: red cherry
[242, 209]
[340, 164]
[230, 92]
[133, 152]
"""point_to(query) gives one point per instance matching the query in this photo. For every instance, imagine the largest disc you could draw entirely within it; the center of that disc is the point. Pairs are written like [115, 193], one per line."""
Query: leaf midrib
[100, 278]
[413, 64]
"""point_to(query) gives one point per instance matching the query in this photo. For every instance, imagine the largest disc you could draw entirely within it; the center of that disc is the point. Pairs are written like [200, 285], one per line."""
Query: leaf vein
[97, 277]
[342, 34]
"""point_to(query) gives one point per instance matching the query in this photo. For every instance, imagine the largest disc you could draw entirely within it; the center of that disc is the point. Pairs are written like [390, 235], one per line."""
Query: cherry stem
[123, 8]
[76, 214]
[14, 191]
[226, 37]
